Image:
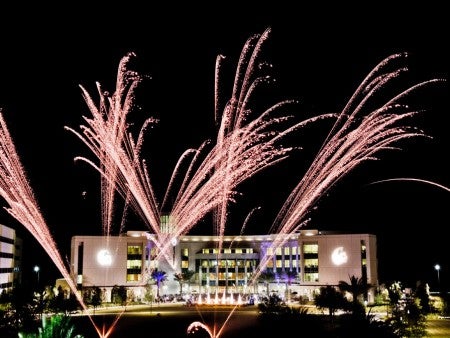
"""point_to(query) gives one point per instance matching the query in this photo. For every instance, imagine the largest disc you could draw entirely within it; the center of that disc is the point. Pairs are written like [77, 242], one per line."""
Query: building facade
[301, 262]
[10, 258]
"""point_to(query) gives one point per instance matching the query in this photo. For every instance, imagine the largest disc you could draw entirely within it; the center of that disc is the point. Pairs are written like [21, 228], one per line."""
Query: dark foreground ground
[173, 321]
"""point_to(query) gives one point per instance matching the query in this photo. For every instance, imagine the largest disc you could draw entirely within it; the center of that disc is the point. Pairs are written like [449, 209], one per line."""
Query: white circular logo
[339, 256]
[104, 258]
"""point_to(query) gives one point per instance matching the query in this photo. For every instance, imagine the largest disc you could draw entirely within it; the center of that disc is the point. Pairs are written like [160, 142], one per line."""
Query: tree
[149, 295]
[19, 313]
[71, 304]
[123, 294]
[96, 297]
[57, 326]
[445, 297]
[119, 294]
[40, 302]
[408, 321]
[266, 277]
[331, 299]
[357, 287]
[423, 295]
[289, 277]
[273, 306]
[182, 277]
[58, 300]
[395, 294]
[159, 277]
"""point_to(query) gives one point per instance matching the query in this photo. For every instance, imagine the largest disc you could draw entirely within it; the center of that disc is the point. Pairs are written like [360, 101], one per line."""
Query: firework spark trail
[243, 149]
[234, 116]
[441, 186]
[246, 146]
[107, 137]
[254, 140]
[193, 327]
[352, 141]
[15, 189]
[254, 152]
[109, 125]
[247, 218]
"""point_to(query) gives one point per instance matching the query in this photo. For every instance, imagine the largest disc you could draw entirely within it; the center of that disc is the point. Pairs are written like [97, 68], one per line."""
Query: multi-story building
[10, 258]
[301, 262]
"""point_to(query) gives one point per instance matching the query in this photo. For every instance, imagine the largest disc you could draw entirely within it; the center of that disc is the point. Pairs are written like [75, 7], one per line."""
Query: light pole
[36, 269]
[437, 267]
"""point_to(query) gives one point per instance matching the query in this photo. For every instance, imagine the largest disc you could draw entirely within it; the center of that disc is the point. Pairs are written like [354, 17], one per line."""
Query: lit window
[310, 248]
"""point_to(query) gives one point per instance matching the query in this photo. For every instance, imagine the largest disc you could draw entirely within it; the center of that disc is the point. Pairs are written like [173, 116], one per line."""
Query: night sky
[317, 58]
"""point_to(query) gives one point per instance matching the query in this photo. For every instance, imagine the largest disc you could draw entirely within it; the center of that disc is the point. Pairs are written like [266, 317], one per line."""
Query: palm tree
[266, 277]
[289, 277]
[96, 297]
[356, 287]
[331, 299]
[182, 277]
[60, 326]
[159, 276]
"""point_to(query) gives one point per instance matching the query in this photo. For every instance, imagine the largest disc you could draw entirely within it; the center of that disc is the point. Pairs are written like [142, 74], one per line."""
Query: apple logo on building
[104, 257]
[339, 256]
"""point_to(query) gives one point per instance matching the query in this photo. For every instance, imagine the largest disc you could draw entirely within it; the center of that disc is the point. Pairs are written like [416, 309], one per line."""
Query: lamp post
[437, 267]
[36, 269]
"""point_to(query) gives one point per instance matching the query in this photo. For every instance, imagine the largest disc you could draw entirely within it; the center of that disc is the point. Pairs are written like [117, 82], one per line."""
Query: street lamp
[437, 267]
[36, 269]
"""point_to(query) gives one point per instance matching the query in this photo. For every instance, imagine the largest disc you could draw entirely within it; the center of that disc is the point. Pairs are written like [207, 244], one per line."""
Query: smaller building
[10, 258]
[299, 263]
